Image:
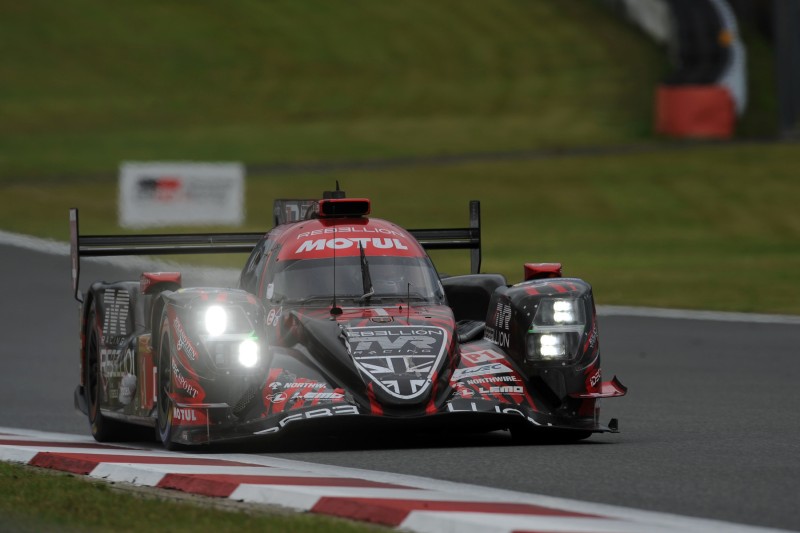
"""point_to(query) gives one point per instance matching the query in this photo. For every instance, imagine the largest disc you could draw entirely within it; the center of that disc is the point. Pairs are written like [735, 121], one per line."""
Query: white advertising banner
[180, 194]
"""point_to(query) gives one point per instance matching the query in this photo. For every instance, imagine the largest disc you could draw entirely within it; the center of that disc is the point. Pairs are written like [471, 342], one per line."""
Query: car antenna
[408, 302]
[335, 309]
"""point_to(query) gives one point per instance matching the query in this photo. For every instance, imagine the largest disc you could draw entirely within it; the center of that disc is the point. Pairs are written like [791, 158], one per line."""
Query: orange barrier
[695, 111]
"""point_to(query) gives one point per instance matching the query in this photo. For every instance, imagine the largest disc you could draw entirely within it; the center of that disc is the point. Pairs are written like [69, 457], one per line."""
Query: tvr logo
[400, 360]
[403, 344]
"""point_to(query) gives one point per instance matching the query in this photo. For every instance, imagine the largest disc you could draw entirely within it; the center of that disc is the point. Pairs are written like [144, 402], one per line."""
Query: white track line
[208, 274]
[687, 314]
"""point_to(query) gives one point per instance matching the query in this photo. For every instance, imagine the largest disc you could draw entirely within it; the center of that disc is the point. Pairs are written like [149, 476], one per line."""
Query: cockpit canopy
[390, 279]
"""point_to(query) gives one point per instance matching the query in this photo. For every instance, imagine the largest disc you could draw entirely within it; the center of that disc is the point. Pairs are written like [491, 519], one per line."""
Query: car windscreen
[391, 278]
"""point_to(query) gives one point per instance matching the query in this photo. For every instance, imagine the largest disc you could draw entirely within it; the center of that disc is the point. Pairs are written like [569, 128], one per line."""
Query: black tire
[104, 429]
[164, 429]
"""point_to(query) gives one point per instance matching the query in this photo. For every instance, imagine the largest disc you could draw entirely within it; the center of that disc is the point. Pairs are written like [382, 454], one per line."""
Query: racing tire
[164, 428]
[103, 429]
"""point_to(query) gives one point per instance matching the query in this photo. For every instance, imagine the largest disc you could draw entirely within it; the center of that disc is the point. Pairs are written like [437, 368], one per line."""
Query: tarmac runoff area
[408, 503]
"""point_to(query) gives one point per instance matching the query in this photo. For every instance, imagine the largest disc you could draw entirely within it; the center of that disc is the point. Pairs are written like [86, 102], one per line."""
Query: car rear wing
[456, 238]
[216, 243]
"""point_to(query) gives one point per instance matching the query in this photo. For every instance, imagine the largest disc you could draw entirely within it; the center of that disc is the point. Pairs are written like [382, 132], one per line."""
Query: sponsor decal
[314, 413]
[502, 390]
[274, 316]
[493, 379]
[113, 364]
[113, 340]
[183, 414]
[498, 333]
[296, 385]
[595, 379]
[475, 408]
[309, 396]
[278, 397]
[500, 338]
[115, 307]
[343, 243]
[182, 382]
[464, 392]
[184, 344]
[349, 229]
[593, 336]
[502, 316]
[483, 370]
[162, 189]
[171, 189]
[401, 360]
[482, 356]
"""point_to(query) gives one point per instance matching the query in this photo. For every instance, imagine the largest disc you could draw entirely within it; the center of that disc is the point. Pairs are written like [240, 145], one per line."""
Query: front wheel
[164, 428]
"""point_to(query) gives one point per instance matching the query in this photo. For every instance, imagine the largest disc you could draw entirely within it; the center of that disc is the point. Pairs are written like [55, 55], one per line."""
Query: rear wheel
[104, 429]
[164, 427]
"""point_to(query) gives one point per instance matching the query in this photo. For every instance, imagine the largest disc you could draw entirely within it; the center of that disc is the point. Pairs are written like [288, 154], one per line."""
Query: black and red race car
[338, 321]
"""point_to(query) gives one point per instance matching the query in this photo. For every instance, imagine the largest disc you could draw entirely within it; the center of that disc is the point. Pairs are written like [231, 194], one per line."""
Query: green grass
[87, 84]
[39, 500]
[705, 227]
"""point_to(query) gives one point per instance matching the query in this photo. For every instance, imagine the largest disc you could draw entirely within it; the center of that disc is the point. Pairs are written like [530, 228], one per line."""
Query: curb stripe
[83, 461]
[394, 512]
[73, 465]
[224, 484]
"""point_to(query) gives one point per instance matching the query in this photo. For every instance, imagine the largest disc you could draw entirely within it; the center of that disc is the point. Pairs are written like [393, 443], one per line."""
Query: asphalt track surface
[710, 427]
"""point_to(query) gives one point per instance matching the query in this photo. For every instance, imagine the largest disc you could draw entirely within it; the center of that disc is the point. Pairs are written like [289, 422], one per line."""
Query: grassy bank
[39, 500]
[87, 84]
[706, 227]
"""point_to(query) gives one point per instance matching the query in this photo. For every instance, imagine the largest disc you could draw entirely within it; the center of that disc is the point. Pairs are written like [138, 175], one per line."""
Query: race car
[339, 320]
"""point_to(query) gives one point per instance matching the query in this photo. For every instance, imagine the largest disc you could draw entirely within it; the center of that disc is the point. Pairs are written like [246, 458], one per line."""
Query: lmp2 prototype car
[337, 318]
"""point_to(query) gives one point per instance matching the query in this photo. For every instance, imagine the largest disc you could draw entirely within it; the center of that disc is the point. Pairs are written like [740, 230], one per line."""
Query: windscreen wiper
[366, 279]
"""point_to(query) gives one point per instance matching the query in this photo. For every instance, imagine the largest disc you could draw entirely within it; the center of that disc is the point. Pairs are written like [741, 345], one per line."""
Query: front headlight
[248, 353]
[216, 320]
[559, 312]
[556, 330]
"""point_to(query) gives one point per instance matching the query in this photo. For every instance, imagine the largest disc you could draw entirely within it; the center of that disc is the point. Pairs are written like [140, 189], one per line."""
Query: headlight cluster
[555, 333]
[217, 321]
[248, 353]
